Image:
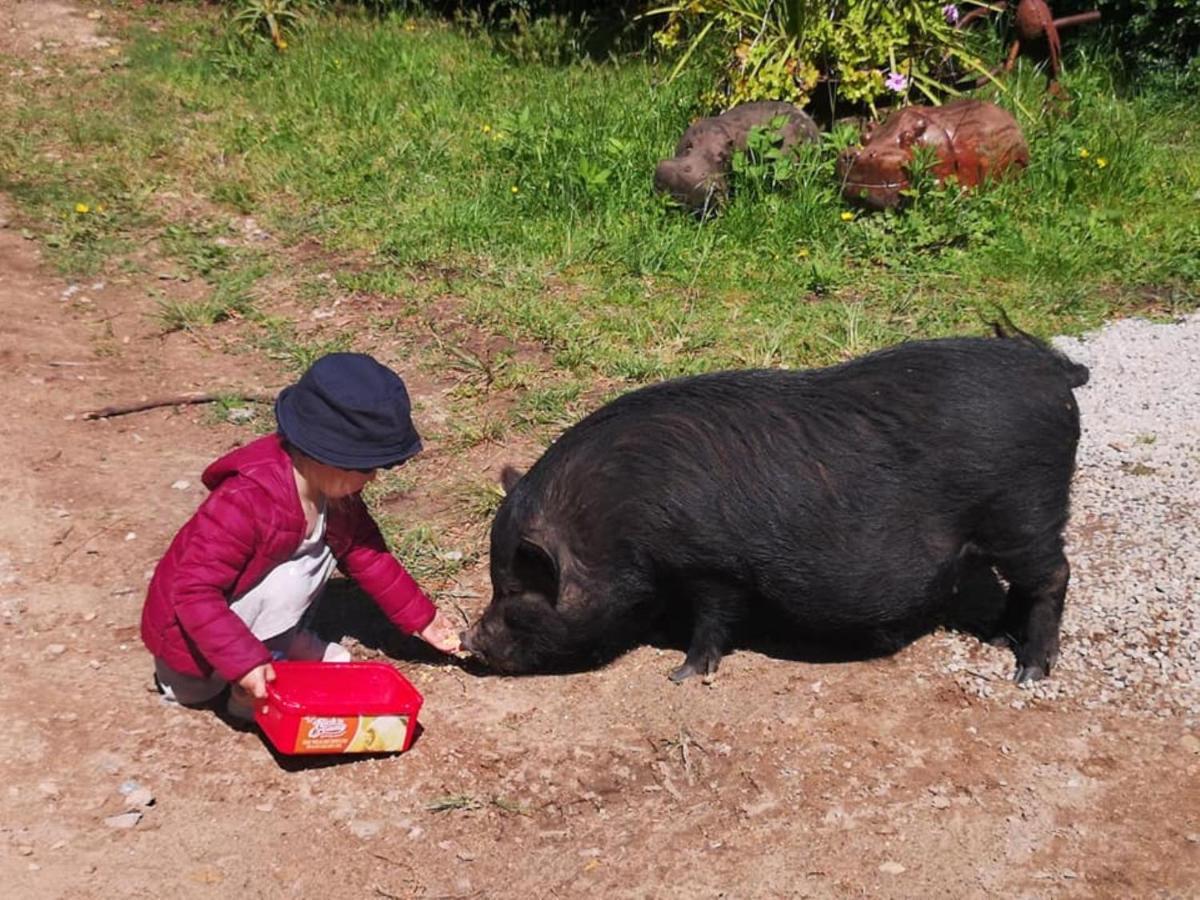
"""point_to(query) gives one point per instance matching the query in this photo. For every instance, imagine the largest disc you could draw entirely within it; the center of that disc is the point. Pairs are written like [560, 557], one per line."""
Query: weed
[270, 19]
[417, 545]
[453, 801]
[278, 341]
[550, 405]
[479, 499]
[471, 431]
[197, 249]
[390, 484]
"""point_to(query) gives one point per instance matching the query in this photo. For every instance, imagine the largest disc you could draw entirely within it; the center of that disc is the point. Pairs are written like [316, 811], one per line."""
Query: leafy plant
[864, 50]
[270, 19]
[765, 160]
[1154, 33]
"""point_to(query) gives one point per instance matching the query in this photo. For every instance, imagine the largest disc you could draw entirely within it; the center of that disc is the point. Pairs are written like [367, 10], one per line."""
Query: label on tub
[351, 734]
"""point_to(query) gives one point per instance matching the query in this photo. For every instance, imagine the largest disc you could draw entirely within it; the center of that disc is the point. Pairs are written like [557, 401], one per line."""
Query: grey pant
[295, 643]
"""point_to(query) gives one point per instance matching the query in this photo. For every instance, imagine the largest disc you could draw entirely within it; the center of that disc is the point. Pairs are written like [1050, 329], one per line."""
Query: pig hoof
[705, 666]
[684, 672]
[1029, 673]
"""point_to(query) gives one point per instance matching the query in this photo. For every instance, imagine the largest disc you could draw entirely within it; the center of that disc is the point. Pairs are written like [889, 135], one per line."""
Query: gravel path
[1131, 633]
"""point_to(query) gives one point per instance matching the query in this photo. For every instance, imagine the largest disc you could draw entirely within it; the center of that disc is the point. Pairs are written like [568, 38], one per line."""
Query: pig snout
[469, 640]
[488, 641]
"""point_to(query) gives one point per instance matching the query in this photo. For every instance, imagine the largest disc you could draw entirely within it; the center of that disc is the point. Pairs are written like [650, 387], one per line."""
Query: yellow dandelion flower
[847, 216]
[515, 189]
[802, 253]
[82, 208]
[1101, 162]
[1084, 153]
[282, 44]
[485, 128]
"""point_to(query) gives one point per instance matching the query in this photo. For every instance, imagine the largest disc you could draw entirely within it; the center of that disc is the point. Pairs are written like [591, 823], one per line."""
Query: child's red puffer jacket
[250, 523]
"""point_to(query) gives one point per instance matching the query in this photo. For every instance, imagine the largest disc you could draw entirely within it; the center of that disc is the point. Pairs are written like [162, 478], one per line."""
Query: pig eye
[909, 136]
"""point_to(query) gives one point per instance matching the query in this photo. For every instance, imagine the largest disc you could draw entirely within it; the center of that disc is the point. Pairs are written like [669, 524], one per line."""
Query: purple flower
[950, 11]
[896, 82]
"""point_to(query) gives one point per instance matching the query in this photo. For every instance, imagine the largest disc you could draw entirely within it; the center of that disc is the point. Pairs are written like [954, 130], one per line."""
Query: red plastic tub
[356, 707]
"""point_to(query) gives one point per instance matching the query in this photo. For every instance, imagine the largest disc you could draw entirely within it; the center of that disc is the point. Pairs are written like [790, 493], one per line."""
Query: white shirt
[285, 593]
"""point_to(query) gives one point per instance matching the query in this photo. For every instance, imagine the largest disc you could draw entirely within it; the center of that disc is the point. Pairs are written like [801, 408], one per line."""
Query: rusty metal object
[1037, 30]
[697, 176]
[974, 141]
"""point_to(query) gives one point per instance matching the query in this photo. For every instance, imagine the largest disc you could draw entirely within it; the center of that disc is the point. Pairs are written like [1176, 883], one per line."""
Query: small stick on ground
[181, 400]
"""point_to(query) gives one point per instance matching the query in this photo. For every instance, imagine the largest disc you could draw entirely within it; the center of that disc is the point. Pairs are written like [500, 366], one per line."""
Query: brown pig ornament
[974, 141]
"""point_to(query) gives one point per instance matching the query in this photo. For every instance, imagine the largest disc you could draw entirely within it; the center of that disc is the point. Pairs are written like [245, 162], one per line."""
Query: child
[230, 592]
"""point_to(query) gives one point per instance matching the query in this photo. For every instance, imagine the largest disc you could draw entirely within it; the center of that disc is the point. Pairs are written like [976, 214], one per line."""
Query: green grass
[524, 191]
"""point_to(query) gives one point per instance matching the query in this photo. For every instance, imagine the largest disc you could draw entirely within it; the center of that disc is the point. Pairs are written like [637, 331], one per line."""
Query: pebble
[940, 802]
[124, 820]
[892, 868]
[139, 797]
[181, 485]
[56, 649]
[239, 415]
[364, 829]
[49, 789]
[25, 850]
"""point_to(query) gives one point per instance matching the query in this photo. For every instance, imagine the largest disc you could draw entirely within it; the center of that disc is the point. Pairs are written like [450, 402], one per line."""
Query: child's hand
[255, 681]
[440, 633]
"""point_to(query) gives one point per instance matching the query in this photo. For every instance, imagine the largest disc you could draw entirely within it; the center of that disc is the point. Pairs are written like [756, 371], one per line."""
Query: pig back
[836, 484]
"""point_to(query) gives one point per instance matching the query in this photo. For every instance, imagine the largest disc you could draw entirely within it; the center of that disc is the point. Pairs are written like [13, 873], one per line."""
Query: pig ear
[535, 567]
[509, 478]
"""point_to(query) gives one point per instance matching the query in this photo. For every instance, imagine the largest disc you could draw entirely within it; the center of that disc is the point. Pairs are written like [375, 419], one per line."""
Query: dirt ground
[784, 778]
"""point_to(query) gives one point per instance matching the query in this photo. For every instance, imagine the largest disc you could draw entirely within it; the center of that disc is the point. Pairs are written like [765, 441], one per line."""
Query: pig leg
[716, 609]
[1037, 592]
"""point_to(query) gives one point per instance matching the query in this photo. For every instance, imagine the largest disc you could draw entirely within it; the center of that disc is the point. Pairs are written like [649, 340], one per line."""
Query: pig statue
[974, 140]
[840, 501]
[697, 175]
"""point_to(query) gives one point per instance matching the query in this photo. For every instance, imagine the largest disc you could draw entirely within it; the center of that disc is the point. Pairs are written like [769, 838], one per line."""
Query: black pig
[846, 499]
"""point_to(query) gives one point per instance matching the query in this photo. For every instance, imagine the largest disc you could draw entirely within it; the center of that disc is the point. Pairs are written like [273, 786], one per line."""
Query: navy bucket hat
[349, 411]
